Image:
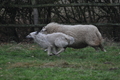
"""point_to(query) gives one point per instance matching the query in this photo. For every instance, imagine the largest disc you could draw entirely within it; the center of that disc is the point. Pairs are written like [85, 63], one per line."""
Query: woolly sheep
[52, 42]
[84, 35]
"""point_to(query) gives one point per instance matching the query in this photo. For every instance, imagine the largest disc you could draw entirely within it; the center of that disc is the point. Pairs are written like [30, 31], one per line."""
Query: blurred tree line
[74, 15]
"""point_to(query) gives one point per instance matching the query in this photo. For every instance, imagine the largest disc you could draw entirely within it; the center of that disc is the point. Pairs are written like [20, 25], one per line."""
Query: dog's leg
[46, 50]
[61, 50]
[49, 51]
[54, 50]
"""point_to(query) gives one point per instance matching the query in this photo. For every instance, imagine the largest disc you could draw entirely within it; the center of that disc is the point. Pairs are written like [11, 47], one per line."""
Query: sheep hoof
[105, 51]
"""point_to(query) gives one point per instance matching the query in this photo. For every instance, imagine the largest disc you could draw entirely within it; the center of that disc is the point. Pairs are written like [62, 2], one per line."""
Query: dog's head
[31, 35]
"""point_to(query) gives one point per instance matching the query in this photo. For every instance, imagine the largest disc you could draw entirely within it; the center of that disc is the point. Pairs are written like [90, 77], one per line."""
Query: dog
[55, 43]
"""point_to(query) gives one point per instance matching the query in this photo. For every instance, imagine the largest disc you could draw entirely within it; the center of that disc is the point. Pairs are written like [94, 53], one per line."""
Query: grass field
[29, 62]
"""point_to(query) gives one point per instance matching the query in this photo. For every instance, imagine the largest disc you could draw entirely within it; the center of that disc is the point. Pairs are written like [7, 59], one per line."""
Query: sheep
[52, 42]
[84, 35]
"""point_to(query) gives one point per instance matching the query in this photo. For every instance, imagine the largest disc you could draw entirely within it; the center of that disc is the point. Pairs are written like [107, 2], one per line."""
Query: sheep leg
[102, 48]
[96, 48]
[91, 43]
[61, 50]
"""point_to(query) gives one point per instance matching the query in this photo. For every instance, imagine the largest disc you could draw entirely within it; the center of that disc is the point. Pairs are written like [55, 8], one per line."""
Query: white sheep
[84, 35]
[52, 42]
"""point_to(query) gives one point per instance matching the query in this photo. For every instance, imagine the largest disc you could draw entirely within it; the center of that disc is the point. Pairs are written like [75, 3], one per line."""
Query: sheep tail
[99, 36]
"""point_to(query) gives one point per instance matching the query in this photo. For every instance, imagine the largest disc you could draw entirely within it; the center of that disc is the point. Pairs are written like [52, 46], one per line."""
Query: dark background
[65, 15]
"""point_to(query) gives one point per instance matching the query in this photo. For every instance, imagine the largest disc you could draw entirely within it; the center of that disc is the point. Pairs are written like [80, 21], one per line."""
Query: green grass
[29, 62]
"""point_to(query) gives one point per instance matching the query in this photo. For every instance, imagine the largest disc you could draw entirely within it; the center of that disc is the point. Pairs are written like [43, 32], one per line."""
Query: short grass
[29, 62]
